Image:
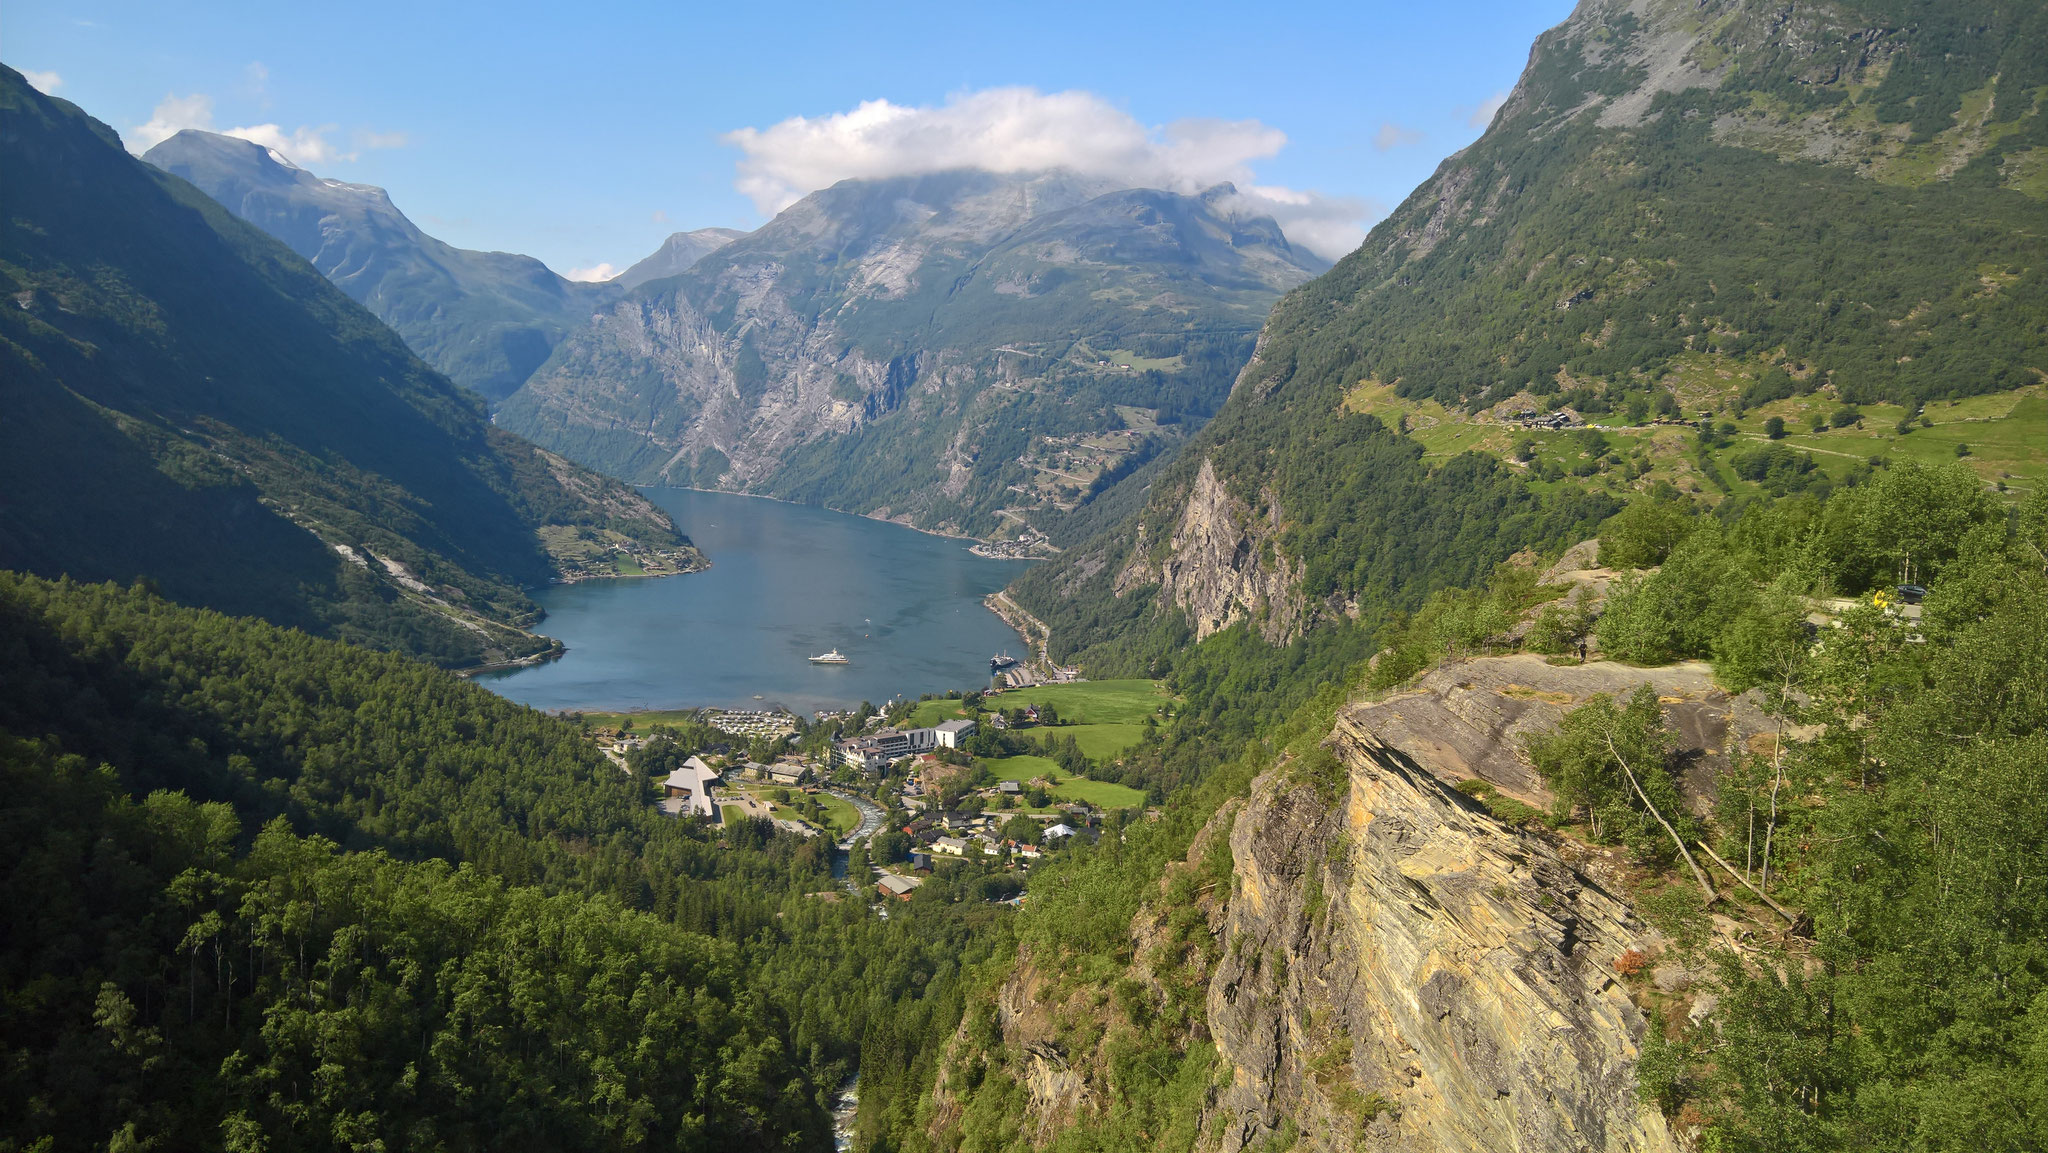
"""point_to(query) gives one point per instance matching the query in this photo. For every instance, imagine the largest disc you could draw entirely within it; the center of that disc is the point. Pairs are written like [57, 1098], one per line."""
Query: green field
[733, 814]
[642, 722]
[929, 713]
[840, 816]
[1100, 742]
[2007, 432]
[1023, 768]
[1101, 794]
[1091, 702]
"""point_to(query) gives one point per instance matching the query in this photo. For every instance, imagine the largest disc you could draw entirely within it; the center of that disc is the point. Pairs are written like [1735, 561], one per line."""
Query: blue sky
[584, 134]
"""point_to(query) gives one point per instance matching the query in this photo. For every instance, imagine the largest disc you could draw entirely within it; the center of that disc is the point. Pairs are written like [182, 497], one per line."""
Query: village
[974, 790]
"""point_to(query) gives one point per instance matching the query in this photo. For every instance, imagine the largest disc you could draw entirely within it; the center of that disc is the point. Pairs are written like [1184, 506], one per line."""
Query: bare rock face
[1403, 972]
[1388, 966]
[1224, 566]
[1468, 719]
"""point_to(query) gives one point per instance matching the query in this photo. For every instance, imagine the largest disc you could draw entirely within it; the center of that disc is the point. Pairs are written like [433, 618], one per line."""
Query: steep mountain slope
[962, 350]
[486, 319]
[677, 254]
[1378, 962]
[189, 402]
[1706, 206]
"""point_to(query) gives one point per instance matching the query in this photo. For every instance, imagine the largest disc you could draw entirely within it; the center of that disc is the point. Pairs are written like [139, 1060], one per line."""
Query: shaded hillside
[486, 319]
[191, 403]
[961, 350]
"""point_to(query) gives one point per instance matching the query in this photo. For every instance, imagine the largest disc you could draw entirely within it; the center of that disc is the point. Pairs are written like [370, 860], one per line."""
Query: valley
[1569, 675]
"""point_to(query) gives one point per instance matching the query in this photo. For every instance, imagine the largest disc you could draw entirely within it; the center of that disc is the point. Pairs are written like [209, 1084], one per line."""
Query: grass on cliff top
[2006, 433]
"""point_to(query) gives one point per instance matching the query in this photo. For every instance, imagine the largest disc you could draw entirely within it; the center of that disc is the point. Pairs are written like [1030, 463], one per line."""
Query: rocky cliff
[1382, 964]
[1405, 972]
[1222, 564]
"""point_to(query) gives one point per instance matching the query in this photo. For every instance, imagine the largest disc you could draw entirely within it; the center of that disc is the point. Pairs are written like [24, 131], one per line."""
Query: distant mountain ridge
[677, 255]
[963, 350]
[485, 319]
[190, 403]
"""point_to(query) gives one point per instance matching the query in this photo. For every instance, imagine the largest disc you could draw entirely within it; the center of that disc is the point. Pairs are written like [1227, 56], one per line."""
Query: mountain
[964, 351]
[1397, 920]
[485, 319]
[1828, 214]
[191, 403]
[676, 255]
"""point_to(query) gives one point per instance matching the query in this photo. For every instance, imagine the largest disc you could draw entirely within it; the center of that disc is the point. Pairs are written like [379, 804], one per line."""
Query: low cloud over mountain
[1021, 130]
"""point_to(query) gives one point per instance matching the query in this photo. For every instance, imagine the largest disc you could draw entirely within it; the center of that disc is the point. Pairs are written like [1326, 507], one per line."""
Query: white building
[951, 846]
[687, 791]
[951, 734]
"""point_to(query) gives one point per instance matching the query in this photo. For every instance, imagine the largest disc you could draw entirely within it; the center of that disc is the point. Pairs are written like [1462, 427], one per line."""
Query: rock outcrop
[1389, 967]
[1404, 972]
[1468, 719]
[1224, 565]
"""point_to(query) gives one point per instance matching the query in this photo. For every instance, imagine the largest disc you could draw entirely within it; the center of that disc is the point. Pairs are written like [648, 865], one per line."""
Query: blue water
[786, 581]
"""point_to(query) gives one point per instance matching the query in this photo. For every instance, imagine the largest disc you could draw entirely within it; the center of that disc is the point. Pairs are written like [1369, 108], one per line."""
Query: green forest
[291, 893]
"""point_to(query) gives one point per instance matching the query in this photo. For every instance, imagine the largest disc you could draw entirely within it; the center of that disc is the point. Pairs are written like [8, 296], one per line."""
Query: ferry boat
[1002, 661]
[835, 657]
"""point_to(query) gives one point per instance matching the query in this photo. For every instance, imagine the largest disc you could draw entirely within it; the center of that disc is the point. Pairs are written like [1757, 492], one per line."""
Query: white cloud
[659, 217]
[594, 274]
[46, 83]
[1329, 225]
[304, 146]
[1392, 135]
[1024, 130]
[1483, 115]
[172, 115]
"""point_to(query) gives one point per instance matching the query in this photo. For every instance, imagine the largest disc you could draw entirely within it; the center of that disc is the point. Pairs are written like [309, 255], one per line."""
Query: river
[786, 582]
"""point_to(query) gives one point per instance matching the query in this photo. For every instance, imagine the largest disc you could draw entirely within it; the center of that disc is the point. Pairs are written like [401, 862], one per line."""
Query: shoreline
[842, 512]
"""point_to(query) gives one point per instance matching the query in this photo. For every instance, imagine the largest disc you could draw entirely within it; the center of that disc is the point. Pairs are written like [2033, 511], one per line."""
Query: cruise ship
[835, 657]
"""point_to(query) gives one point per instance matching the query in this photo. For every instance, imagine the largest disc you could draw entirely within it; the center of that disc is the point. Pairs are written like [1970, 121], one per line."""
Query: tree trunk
[1698, 874]
[1775, 906]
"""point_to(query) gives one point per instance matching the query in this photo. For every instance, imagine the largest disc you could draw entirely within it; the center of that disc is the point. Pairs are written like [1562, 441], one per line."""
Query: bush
[1644, 533]
[1845, 416]
[1774, 427]
[1561, 624]
[1677, 613]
